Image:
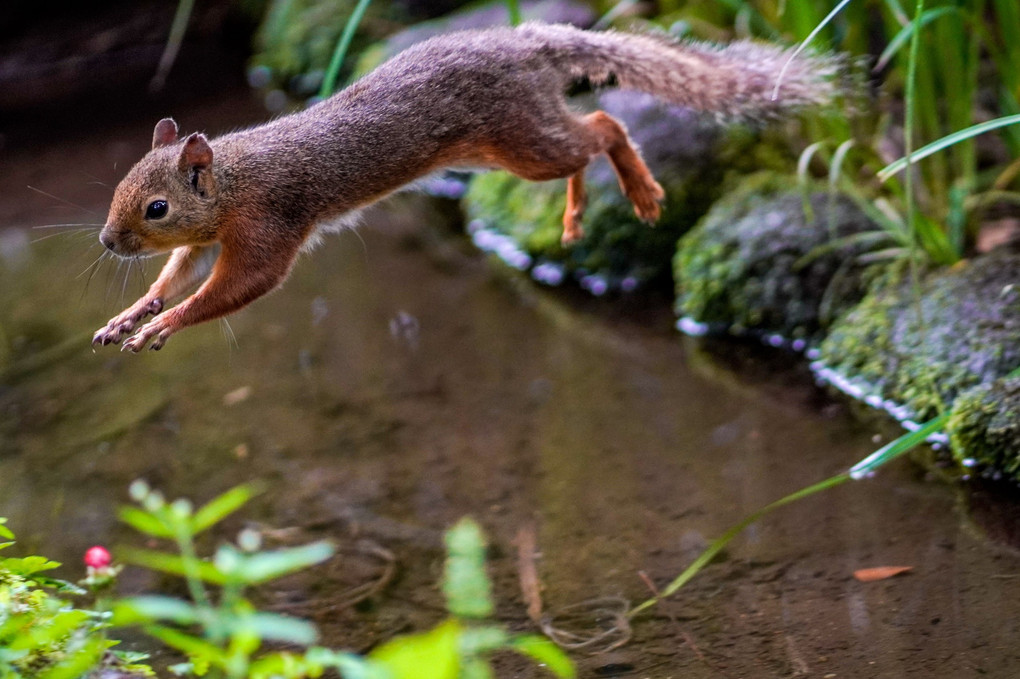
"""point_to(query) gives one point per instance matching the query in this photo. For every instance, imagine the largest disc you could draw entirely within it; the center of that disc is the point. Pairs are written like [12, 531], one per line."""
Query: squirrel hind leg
[566, 151]
[636, 180]
[577, 201]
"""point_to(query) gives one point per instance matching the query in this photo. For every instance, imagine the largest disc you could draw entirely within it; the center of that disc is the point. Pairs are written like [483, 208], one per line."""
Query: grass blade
[513, 8]
[901, 38]
[807, 41]
[894, 449]
[342, 45]
[862, 469]
[720, 542]
[961, 135]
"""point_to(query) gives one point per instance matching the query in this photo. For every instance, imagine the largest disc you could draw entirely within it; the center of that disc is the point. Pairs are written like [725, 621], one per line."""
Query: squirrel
[491, 98]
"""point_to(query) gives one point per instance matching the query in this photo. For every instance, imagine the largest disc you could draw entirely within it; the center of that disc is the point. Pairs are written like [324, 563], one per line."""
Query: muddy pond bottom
[400, 381]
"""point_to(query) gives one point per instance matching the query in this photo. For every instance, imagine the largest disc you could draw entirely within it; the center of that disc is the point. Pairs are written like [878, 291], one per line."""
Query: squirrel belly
[493, 98]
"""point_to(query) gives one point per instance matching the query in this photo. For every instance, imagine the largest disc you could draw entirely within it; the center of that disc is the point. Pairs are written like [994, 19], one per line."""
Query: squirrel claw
[134, 344]
[155, 330]
[120, 326]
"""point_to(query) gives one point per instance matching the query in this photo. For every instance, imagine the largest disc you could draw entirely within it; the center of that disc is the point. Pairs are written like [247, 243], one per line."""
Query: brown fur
[491, 97]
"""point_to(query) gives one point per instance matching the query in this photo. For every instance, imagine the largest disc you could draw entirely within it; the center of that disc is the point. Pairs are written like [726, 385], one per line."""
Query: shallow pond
[400, 381]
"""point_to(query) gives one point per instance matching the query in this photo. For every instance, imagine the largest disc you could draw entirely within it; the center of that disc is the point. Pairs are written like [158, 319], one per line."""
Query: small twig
[527, 572]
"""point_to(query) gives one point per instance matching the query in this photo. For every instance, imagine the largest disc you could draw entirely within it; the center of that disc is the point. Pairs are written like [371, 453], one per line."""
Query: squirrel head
[167, 199]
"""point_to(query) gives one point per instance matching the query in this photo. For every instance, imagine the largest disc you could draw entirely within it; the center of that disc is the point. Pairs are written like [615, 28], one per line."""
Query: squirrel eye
[157, 209]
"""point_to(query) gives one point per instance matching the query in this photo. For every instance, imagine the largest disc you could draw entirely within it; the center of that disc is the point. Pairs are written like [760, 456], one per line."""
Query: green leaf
[144, 522]
[173, 564]
[465, 583]
[199, 649]
[479, 640]
[430, 655]
[61, 586]
[55, 630]
[29, 565]
[545, 653]
[220, 507]
[244, 641]
[476, 668]
[349, 665]
[153, 608]
[5, 532]
[265, 566]
[276, 627]
[282, 664]
[81, 662]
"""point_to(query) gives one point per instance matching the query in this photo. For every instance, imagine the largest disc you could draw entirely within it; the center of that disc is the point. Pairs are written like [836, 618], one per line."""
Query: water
[400, 380]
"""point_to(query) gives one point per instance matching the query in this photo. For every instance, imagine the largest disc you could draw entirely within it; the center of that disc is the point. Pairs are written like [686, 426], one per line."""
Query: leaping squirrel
[489, 98]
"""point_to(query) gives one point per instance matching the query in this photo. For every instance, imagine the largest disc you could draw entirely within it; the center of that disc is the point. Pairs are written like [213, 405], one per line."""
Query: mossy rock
[922, 346]
[984, 427]
[690, 156]
[772, 260]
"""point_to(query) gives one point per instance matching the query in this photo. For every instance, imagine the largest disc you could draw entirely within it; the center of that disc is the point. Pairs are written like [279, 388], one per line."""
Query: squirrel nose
[107, 241]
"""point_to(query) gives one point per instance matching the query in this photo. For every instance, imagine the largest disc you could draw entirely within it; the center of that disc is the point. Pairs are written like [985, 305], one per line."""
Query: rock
[760, 264]
[984, 427]
[915, 349]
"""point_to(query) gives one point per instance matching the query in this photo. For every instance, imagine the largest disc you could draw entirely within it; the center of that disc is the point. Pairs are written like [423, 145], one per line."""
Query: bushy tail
[734, 81]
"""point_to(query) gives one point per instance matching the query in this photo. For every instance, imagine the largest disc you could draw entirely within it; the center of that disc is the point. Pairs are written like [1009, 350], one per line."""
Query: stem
[908, 139]
[173, 44]
[513, 8]
[186, 545]
[329, 81]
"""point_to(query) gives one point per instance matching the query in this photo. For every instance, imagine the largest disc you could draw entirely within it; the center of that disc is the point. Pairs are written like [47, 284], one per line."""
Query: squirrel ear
[165, 133]
[196, 161]
[196, 154]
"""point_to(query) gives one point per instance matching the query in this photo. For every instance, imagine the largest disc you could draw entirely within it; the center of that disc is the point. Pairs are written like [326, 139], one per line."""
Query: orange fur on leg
[577, 201]
[636, 179]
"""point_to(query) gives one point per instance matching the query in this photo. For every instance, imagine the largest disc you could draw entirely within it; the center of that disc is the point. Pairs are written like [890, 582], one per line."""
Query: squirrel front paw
[157, 330]
[123, 323]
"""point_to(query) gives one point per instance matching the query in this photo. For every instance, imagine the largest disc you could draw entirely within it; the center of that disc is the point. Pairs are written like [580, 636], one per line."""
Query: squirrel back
[738, 81]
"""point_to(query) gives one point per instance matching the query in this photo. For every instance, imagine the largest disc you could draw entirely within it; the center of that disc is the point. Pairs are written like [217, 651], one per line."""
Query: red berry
[97, 557]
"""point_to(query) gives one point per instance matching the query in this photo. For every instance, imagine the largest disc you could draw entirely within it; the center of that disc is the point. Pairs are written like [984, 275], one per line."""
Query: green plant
[219, 630]
[958, 54]
[222, 635]
[42, 634]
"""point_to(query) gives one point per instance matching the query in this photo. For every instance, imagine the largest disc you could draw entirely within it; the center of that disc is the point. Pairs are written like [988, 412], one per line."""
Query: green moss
[984, 425]
[771, 259]
[921, 346]
[530, 212]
